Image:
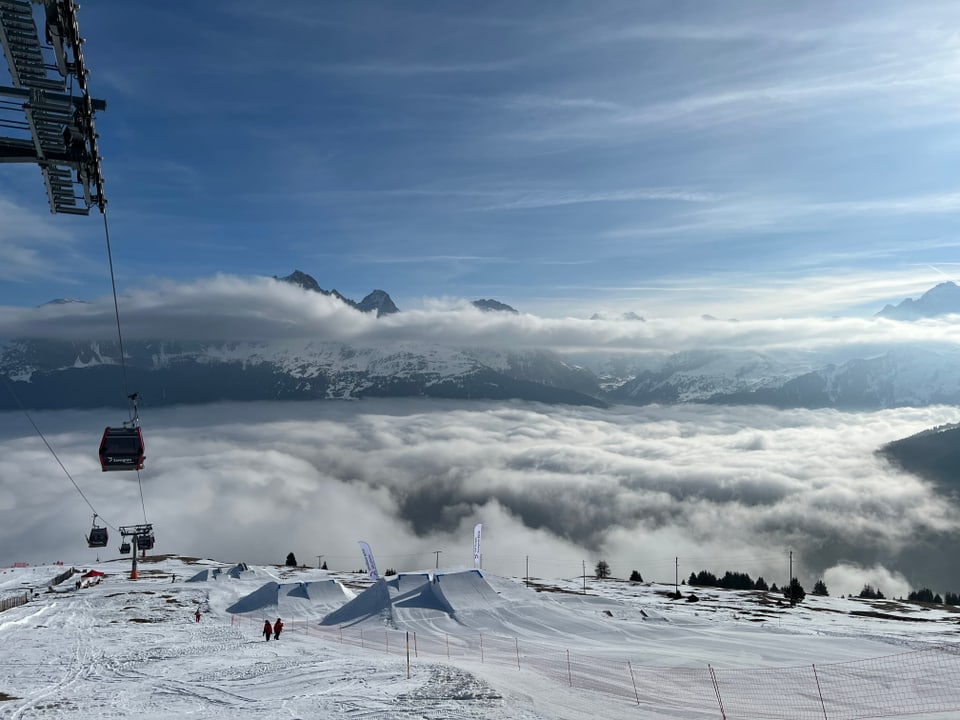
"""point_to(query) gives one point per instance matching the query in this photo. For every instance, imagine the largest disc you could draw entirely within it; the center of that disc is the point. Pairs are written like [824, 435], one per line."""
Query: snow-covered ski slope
[480, 647]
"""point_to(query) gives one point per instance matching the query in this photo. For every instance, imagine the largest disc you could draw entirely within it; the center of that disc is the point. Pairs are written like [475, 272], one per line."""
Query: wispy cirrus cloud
[395, 68]
[548, 199]
[517, 196]
[743, 214]
[32, 246]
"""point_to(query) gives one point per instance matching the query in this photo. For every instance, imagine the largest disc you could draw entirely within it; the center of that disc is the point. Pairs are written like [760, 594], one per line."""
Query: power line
[50, 448]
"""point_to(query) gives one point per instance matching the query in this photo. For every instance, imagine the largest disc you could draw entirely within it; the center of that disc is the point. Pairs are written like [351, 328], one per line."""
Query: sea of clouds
[663, 490]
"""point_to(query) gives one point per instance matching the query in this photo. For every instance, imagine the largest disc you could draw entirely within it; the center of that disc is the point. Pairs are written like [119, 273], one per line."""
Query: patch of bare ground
[828, 610]
[542, 587]
[888, 616]
[169, 556]
[5, 696]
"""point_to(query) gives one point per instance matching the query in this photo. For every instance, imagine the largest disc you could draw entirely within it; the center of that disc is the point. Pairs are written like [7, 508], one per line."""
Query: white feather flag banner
[476, 544]
[368, 558]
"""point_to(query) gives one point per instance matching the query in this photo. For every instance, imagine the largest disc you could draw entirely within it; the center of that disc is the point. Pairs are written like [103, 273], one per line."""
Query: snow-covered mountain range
[58, 373]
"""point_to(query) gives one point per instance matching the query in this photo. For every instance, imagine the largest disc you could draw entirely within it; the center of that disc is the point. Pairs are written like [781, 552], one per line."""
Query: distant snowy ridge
[52, 374]
[57, 374]
[75, 374]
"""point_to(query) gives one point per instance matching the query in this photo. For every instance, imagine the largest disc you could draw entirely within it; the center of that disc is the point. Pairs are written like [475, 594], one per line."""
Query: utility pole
[584, 563]
[791, 579]
[437, 553]
[527, 576]
[676, 576]
[319, 558]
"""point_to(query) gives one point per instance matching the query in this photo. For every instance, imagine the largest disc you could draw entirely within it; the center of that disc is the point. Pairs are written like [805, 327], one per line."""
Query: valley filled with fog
[664, 490]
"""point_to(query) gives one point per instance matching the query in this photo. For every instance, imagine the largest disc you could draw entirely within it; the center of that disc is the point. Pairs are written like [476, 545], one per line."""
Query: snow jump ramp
[416, 596]
[310, 598]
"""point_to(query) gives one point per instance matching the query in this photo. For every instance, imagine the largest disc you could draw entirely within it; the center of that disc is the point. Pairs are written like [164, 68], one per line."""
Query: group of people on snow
[274, 629]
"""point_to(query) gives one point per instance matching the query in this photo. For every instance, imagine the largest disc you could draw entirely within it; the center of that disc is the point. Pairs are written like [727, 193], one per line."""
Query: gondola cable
[53, 452]
[116, 306]
[134, 421]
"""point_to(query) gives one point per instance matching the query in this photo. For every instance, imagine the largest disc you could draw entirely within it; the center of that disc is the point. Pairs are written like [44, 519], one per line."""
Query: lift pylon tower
[52, 126]
[142, 540]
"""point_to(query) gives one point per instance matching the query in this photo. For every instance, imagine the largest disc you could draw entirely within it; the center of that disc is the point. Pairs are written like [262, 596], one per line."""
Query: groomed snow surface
[479, 646]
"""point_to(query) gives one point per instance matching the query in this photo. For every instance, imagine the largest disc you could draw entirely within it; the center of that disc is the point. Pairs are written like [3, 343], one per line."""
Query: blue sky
[743, 159]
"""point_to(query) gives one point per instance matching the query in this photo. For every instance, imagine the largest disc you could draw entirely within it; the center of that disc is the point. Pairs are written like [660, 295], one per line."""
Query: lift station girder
[51, 126]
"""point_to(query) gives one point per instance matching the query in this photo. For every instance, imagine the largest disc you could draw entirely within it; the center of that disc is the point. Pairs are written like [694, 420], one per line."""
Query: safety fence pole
[819, 691]
[716, 689]
[517, 641]
[569, 671]
[634, 681]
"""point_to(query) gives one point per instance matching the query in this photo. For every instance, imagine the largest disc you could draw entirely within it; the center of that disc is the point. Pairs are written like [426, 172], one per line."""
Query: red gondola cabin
[121, 449]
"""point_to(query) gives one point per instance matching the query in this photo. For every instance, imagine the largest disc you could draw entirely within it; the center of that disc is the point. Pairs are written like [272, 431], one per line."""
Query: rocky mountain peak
[942, 299]
[494, 306]
[380, 301]
[303, 280]
[377, 300]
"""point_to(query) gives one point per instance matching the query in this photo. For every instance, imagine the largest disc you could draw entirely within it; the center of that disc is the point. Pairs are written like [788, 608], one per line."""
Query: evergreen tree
[602, 570]
[794, 592]
[820, 588]
[635, 576]
[291, 560]
[704, 579]
[761, 584]
[736, 581]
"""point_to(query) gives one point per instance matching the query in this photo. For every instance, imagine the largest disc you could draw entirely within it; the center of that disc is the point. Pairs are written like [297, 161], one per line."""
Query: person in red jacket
[277, 627]
[267, 629]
